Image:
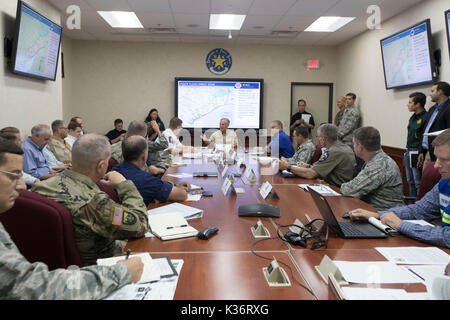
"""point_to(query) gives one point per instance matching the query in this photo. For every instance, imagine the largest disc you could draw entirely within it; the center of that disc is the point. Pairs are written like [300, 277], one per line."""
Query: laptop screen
[326, 212]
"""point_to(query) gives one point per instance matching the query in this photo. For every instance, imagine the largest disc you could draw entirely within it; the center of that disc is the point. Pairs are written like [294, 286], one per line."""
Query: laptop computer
[205, 174]
[344, 229]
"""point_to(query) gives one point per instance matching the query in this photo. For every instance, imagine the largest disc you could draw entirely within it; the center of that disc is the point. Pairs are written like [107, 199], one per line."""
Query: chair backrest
[42, 229]
[111, 164]
[111, 192]
[430, 177]
[317, 154]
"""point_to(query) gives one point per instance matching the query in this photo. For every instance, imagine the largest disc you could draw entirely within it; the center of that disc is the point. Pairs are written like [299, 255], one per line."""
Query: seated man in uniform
[139, 128]
[135, 153]
[379, 183]
[281, 145]
[223, 135]
[335, 166]
[57, 145]
[175, 146]
[20, 279]
[306, 147]
[98, 221]
[434, 205]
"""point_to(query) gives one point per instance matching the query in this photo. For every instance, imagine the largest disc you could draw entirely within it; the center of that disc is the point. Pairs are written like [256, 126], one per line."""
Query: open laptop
[344, 229]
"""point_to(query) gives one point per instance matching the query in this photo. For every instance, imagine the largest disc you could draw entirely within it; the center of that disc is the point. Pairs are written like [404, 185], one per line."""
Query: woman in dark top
[153, 115]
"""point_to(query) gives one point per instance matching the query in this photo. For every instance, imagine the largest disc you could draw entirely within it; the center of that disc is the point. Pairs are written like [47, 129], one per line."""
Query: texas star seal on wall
[218, 61]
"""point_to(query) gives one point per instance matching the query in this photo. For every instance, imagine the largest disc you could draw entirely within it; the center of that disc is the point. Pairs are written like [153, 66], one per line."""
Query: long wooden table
[224, 266]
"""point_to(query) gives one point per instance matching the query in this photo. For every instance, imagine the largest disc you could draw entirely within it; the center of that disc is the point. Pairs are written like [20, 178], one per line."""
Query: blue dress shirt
[34, 162]
[428, 209]
[149, 186]
[281, 145]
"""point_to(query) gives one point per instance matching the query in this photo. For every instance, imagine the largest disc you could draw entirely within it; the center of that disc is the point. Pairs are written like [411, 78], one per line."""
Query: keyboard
[349, 229]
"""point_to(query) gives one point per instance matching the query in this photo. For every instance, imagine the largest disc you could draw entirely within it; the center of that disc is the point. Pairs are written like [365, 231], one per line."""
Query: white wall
[24, 101]
[110, 80]
[360, 70]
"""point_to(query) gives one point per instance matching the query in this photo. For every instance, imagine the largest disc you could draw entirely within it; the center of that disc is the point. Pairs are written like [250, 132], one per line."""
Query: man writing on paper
[223, 135]
[335, 166]
[135, 153]
[20, 279]
[379, 183]
[98, 221]
[435, 204]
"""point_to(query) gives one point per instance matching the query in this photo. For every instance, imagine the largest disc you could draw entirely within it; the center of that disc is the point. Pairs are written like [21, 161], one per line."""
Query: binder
[169, 226]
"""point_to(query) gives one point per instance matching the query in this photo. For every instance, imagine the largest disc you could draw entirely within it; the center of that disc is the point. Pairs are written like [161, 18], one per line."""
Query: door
[319, 102]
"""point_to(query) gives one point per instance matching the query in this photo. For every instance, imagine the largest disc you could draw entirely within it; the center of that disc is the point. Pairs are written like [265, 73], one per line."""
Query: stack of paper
[415, 255]
[186, 212]
[172, 225]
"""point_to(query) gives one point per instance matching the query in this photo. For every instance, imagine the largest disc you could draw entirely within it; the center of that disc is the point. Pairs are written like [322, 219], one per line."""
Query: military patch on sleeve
[324, 155]
[118, 216]
[129, 219]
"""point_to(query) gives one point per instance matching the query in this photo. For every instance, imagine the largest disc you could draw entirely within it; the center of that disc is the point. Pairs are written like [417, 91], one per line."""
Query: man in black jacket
[438, 118]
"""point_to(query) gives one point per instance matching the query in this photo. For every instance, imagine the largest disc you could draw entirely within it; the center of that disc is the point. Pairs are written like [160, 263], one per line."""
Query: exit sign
[312, 64]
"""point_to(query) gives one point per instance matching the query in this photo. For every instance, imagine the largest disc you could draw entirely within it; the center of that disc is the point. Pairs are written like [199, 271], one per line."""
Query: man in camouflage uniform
[351, 120]
[335, 166]
[98, 220]
[139, 128]
[379, 183]
[57, 145]
[20, 279]
[306, 147]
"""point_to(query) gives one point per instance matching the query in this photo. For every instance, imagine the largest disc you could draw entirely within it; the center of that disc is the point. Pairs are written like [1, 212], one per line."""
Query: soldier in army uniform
[335, 166]
[20, 279]
[57, 146]
[379, 183]
[138, 128]
[306, 147]
[98, 220]
[351, 120]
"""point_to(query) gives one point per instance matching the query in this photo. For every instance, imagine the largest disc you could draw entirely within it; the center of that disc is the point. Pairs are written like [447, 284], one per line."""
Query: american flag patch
[118, 215]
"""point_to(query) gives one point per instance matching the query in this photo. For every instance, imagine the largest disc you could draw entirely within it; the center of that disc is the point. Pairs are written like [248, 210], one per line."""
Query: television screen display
[36, 44]
[407, 57]
[202, 102]
[447, 23]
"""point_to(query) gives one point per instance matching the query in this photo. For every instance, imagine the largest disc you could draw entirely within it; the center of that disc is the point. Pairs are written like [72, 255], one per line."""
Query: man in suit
[438, 118]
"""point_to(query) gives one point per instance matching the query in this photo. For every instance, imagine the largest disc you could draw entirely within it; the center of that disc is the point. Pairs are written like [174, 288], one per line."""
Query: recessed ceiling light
[328, 24]
[121, 19]
[226, 21]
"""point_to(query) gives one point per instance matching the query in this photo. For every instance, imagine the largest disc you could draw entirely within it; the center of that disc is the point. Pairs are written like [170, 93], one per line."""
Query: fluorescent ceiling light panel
[226, 21]
[328, 24]
[121, 19]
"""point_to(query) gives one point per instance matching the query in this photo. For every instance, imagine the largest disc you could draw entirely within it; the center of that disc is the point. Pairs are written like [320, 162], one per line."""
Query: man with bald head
[341, 106]
[98, 221]
[223, 135]
[135, 153]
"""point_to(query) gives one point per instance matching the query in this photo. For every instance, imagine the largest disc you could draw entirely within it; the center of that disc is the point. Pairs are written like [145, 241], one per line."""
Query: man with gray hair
[34, 161]
[98, 221]
[223, 135]
[335, 166]
[379, 183]
[57, 146]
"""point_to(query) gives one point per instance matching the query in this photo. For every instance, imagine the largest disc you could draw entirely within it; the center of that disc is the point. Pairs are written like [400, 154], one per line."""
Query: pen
[416, 274]
[183, 225]
[128, 254]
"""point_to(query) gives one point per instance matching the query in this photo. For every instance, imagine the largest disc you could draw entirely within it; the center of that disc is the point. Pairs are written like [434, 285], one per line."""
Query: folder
[187, 212]
[171, 225]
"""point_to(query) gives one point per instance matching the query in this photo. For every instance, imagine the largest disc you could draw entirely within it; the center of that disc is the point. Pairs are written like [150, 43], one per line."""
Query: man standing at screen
[223, 135]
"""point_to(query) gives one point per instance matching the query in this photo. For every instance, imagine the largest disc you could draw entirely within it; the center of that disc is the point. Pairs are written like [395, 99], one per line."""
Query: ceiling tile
[311, 7]
[190, 6]
[109, 5]
[294, 23]
[184, 20]
[267, 22]
[230, 6]
[153, 6]
[156, 20]
[352, 8]
[271, 7]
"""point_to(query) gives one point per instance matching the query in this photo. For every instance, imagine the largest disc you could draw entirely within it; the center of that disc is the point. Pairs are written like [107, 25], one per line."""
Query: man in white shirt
[171, 134]
[73, 134]
[223, 135]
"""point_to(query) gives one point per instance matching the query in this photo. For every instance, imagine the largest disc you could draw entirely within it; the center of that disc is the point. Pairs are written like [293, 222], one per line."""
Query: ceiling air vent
[162, 30]
[284, 34]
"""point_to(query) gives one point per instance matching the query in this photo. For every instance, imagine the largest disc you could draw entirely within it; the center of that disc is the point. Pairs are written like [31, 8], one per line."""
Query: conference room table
[229, 264]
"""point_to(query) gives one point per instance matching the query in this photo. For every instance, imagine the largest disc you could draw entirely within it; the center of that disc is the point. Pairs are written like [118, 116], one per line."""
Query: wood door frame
[330, 86]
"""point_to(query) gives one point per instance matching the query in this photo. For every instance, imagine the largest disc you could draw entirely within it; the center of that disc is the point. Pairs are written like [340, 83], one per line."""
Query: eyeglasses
[13, 175]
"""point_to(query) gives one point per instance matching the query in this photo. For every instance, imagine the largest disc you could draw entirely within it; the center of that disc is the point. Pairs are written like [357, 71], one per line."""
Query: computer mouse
[346, 215]
[206, 233]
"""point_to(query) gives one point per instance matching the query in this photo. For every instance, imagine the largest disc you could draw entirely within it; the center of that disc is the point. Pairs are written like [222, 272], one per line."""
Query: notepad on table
[187, 212]
[171, 225]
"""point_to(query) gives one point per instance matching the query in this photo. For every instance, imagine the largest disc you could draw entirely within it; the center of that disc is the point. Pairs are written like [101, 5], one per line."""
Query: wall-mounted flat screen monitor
[202, 102]
[36, 44]
[447, 24]
[407, 57]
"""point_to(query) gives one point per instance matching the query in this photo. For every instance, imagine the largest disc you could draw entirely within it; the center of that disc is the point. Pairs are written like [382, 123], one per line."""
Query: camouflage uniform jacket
[157, 153]
[304, 153]
[98, 221]
[116, 151]
[351, 120]
[379, 183]
[20, 279]
[59, 148]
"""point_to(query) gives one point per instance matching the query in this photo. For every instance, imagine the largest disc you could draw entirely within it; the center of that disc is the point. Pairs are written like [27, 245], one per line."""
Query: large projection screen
[202, 102]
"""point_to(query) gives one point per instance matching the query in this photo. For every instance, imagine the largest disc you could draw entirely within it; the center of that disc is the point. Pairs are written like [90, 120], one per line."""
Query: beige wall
[111, 80]
[25, 101]
[360, 70]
